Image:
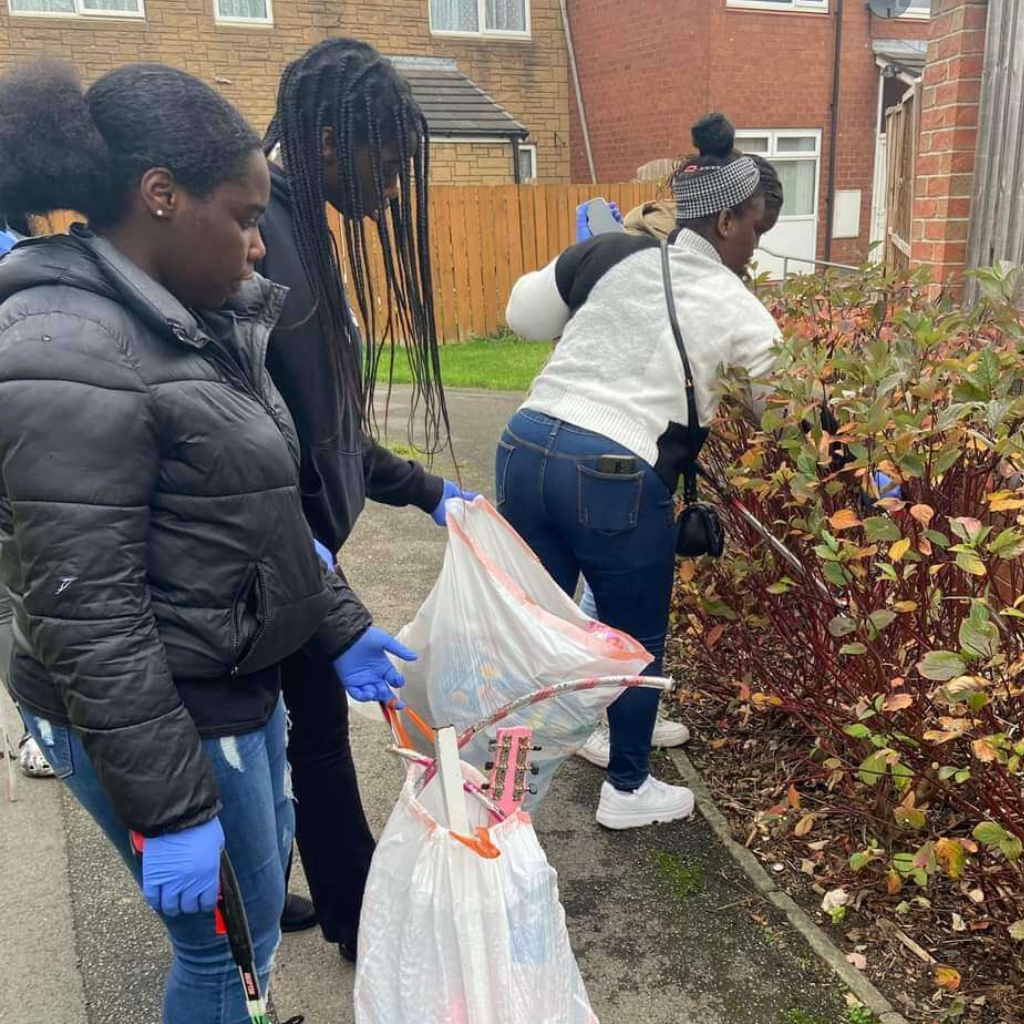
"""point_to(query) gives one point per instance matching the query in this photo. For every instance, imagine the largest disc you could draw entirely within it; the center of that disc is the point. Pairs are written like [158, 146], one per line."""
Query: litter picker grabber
[231, 920]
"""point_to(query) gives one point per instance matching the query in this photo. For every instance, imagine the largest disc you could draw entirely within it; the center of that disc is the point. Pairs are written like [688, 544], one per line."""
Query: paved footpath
[666, 930]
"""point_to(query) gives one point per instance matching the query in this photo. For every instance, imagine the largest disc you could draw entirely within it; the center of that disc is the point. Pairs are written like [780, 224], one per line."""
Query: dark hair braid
[347, 86]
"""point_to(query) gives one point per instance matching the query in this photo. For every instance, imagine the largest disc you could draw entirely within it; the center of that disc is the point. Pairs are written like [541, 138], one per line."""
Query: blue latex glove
[325, 556]
[887, 487]
[365, 671]
[583, 231]
[451, 490]
[181, 870]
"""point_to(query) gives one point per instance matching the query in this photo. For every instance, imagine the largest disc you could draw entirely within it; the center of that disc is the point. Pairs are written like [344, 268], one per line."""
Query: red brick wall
[646, 81]
[951, 88]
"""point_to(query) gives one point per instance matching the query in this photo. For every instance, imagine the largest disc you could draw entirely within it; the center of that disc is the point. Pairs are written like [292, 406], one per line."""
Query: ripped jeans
[203, 986]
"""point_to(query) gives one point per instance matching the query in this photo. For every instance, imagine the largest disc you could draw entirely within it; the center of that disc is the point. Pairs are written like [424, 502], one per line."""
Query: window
[527, 163]
[780, 5]
[918, 9]
[244, 12]
[480, 17]
[795, 155]
[80, 8]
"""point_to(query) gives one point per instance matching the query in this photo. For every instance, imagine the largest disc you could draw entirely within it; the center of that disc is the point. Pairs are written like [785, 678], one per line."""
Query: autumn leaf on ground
[794, 798]
[946, 978]
[859, 960]
[951, 856]
[985, 750]
[805, 824]
[845, 519]
[1017, 930]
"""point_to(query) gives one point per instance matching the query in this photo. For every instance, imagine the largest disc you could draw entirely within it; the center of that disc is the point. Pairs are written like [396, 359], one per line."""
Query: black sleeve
[345, 623]
[80, 480]
[392, 480]
[581, 266]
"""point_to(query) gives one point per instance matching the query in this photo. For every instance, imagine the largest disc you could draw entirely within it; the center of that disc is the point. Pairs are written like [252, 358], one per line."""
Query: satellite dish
[888, 8]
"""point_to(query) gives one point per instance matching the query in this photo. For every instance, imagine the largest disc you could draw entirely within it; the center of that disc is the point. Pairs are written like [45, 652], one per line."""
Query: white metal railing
[786, 260]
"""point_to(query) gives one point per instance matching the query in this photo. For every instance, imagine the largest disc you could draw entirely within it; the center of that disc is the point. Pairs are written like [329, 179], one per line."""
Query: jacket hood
[84, 261]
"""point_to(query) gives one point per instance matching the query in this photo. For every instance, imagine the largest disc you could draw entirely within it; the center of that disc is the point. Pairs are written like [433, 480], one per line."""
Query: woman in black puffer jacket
[153, 539]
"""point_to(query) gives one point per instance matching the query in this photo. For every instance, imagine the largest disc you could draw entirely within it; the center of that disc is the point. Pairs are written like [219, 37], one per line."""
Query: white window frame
[483, 31]
[222, 19]
[776, 157]
[916, 15]
[785, 6]
[531, 148]
[80, 11]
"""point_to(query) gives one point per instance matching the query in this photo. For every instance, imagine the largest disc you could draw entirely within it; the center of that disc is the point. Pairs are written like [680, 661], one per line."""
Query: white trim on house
[529, 148]
[785, 6]
[223, 19]
[483, 31]
[79, 11]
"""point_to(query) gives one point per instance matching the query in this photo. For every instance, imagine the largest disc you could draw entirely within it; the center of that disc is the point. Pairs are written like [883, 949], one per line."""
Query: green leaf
[842, 625]
[861, 860]
[947, 459]
[910, 817]
[772, 420]
[1008, 545]
[912, 464]
[874, 767]
[941, 666]
[940, 540]
[902, 776]
[853, 649]
[882, 619]
[857, 731]
[881, 528]
[835, 574]
[784, 586]
[970, 563]
[1012, 848]
[989, 833]
[979, 638]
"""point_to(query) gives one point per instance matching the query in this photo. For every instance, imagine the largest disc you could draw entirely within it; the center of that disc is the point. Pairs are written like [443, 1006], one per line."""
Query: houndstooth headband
[703, 191]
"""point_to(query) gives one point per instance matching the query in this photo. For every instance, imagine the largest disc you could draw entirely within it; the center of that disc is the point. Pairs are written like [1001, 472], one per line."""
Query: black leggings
[331, 829]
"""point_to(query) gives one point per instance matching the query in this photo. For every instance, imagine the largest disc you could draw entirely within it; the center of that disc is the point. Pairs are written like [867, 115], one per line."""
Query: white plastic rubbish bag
[497, 627]
[448, 936]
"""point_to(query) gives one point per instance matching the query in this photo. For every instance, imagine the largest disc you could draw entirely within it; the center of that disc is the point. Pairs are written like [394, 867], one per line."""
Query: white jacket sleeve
[753, 349]
[536, 309]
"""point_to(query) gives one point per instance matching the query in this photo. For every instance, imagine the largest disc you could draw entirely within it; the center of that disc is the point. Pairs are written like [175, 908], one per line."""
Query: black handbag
[700, 528]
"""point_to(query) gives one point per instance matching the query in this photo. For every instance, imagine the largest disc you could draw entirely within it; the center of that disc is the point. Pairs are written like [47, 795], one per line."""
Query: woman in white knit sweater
[587, 469]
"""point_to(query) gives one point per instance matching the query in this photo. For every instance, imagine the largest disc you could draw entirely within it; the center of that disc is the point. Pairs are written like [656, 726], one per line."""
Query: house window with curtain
[79, 8]
[480, 17]
[244, 12]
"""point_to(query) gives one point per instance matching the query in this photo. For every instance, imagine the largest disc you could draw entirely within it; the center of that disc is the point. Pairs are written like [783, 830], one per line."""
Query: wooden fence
[483, 238]
[902, 128]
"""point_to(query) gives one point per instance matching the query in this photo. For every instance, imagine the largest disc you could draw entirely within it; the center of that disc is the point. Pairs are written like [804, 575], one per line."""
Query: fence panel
[483, 238]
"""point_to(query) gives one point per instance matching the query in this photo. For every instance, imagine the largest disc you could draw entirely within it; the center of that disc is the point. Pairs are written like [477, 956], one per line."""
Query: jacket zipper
[261, 592]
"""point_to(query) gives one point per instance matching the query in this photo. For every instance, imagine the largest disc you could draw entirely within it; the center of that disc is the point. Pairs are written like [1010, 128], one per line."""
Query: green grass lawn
[494, 364]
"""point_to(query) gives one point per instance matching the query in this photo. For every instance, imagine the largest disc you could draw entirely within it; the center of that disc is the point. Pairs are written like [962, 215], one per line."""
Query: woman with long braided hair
[346, 133]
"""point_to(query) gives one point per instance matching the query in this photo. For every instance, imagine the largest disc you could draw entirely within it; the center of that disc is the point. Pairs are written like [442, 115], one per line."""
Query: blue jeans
[618, 530]
[203, 986]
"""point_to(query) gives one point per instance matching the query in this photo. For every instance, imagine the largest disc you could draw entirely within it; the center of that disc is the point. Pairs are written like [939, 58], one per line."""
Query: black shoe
[347, 951]
[299, 914]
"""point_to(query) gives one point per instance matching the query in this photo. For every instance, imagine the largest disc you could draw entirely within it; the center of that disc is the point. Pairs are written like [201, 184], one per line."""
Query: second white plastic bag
[497, 627]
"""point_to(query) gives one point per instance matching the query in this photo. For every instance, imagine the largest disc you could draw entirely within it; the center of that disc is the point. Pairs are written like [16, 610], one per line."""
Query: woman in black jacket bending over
[151, 521]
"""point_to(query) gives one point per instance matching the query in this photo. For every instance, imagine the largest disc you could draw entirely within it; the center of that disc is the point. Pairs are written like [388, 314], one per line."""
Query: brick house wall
[950, 100]
[471, 163]
[529, 77]
[764, 69]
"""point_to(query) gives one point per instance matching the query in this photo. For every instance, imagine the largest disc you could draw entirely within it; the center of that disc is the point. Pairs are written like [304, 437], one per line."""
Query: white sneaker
[597, 749]
[669, 734]
[654, 801]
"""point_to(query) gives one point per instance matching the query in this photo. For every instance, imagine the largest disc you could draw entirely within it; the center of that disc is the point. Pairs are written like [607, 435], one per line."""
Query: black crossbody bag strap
[693, 426]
